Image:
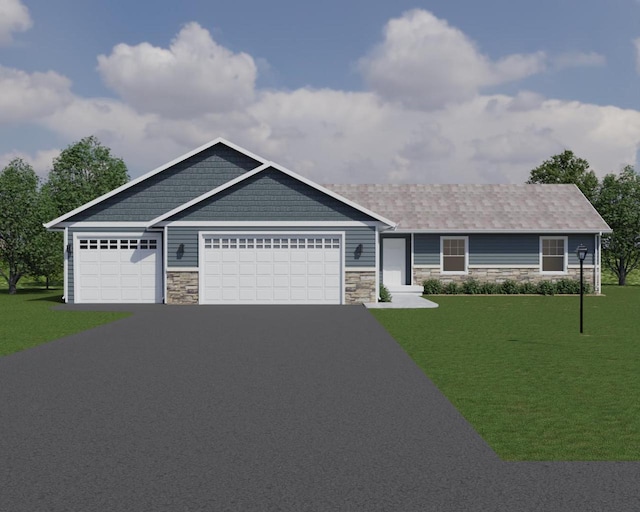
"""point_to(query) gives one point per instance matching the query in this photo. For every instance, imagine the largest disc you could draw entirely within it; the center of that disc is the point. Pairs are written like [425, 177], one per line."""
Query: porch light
[69, 248]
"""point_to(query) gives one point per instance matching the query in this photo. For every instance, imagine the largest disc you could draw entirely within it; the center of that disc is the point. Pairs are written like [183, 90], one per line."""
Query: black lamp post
[581, 251]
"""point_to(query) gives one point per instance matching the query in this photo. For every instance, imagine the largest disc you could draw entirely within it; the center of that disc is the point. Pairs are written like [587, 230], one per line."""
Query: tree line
[617, 200]
[86, 169]
[83, 171]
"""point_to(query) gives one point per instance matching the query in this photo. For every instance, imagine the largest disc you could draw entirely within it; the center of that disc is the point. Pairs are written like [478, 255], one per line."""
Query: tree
[46, 258]
[619, 204]
[19, 220]
[82, 172]
[567, 168]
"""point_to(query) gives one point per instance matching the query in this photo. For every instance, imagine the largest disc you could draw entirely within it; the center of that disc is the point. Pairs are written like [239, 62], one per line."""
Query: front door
[394, 261]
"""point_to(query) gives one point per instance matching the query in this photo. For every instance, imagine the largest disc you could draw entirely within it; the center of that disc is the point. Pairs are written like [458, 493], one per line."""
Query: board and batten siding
[172, 187]
[271, 196]
[78, 230]
[499, 249]
[188, 257]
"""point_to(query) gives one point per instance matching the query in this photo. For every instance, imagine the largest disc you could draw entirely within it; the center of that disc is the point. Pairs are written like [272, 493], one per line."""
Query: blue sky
[338, 91]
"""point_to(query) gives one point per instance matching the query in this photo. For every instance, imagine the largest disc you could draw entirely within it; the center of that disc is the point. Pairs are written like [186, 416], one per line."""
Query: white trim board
[299, 224]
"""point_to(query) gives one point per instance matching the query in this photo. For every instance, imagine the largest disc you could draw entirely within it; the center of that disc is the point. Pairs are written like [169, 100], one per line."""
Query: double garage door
[118, 269]
[270, 269]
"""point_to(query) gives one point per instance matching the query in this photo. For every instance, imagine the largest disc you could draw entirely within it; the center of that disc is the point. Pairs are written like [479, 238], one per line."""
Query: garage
[118, 268]
[271, 268]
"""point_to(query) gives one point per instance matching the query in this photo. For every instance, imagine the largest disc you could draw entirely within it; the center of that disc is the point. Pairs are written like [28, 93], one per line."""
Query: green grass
[519, 371]
[609, 277]
[29, 320]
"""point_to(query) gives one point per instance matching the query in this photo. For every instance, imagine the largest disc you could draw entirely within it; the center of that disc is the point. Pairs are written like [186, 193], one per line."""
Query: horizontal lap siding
[271, 196]
[72, 232]
[354, 236]
[504, 250]
[499, 249]
[172, 187]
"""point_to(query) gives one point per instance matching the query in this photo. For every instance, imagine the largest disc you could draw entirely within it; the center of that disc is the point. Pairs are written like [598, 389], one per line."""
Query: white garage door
[271, 269]
[118, 269]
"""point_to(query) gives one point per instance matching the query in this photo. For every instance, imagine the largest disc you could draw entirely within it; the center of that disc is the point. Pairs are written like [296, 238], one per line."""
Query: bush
[452, 288]
[432, 287]
[546, 288]
[471, 286]
[527, 288]
[490, 288]
[568, 286]
[509, 287]
[385, 294]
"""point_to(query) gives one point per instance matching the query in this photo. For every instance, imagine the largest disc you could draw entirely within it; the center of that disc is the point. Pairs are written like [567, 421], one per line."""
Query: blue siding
[353, 235]
[172, 187]
[504, 250]
[426, 249]
[572, 244]
[72, 231]
[499, 249]
[271, 196]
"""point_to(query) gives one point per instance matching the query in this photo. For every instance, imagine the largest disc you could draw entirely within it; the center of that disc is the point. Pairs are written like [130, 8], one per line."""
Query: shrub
[452, 288]
[568, 286]
[546, 288]
[385, 294]
[527, 288]
[432, 287]
[489, 288]
[471, 286]
[509, 287]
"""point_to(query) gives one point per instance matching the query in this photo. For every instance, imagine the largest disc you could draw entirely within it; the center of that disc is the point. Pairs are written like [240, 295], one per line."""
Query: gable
[172, 187]
[271, 195]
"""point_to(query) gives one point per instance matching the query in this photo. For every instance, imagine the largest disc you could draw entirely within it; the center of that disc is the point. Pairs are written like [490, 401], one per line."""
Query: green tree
[619, 204]
[46, 258]
[19, 220]
[82, 172]
[567, 168]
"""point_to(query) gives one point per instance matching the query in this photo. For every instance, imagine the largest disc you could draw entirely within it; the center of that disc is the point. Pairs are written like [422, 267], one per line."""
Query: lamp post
[581, 251]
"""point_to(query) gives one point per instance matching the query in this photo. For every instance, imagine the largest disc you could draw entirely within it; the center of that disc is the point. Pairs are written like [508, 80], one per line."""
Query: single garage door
[271, 269]
[118, 269]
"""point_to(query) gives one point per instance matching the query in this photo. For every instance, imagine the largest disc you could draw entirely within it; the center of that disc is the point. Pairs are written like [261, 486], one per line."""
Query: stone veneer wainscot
[182, 287]
[360, 286]
[499, 275]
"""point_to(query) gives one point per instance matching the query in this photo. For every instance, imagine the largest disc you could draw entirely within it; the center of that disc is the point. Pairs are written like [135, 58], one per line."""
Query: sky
[339, 91]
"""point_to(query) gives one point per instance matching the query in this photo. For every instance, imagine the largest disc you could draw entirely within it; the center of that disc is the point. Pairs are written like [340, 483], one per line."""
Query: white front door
[394, 261]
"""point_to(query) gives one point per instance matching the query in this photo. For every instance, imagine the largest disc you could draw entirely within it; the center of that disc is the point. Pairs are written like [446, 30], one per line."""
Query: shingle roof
[469, 208]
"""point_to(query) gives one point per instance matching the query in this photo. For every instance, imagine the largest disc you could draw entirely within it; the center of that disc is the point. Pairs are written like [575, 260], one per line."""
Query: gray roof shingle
[476, 208]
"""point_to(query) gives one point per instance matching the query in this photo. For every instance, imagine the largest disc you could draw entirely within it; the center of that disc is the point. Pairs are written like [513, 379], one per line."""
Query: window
[553, 254]
[454, 254]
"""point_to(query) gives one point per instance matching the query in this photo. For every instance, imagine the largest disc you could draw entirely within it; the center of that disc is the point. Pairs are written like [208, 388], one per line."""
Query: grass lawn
[28, 320]
[519, 371]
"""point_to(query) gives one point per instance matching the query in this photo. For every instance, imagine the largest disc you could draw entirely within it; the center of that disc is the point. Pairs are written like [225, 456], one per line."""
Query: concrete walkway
[403, 301]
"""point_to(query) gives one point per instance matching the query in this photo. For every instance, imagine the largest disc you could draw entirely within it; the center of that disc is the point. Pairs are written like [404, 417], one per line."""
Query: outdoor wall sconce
[69, 248]
[358, 252]
[180, 251]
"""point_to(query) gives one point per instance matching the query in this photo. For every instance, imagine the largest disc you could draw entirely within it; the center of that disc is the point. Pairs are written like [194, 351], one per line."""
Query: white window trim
[566, 255]
[466, 255]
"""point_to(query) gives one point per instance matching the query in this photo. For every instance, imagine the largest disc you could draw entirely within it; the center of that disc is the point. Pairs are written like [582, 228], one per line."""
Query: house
[221, 225]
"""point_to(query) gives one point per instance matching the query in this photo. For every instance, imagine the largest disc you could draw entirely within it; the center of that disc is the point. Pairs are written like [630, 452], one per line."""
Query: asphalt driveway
[258, 408]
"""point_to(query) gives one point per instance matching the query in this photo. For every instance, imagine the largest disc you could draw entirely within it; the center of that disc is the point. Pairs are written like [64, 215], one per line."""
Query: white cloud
[14, 17]
[330, 135]
[27, 96]
[423, 62]
[41, 161]
[636, 44]
[578, 59]
[194, 75]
